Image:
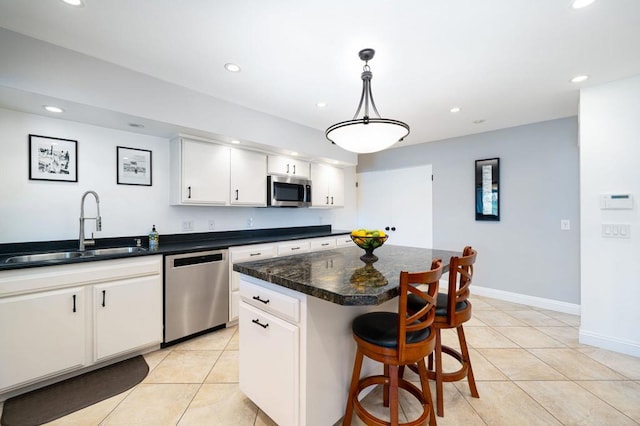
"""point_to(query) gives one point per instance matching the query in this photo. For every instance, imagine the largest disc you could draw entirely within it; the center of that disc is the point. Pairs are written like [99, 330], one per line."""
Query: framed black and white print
[53, 159]
[134, 166]
[488, 189]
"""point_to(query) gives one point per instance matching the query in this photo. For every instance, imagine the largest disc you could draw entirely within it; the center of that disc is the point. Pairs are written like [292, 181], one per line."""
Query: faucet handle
[138, 242]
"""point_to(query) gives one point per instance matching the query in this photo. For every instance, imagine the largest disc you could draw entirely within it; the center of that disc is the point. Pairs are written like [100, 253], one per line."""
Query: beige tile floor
[529, 367]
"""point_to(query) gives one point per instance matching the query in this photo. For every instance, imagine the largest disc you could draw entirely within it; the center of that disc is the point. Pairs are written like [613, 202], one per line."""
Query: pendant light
[367, 134]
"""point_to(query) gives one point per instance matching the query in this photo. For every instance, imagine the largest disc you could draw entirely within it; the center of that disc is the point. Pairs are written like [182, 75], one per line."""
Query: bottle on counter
[154, 239]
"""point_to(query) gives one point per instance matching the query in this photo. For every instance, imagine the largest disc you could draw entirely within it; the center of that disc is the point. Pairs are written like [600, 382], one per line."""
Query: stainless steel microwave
[288, 192]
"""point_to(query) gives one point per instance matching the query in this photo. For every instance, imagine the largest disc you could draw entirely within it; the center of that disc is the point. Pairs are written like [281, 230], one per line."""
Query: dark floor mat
[57, 400]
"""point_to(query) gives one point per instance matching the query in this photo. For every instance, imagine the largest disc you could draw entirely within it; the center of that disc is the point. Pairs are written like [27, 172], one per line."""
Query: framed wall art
[134, 166]
[488, 189]
[53, 159]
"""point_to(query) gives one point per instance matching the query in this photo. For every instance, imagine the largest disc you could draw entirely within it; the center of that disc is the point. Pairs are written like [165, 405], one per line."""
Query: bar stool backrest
[460, 277]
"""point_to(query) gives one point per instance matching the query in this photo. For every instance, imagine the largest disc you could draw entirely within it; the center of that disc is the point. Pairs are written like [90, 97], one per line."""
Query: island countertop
[339, 276]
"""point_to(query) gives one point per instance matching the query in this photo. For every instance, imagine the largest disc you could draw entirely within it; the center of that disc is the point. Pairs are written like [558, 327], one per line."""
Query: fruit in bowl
[368, 240]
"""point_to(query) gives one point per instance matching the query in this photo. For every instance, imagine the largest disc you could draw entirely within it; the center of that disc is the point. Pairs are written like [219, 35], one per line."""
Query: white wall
[610, 268]
[40, 211]
[525, 253]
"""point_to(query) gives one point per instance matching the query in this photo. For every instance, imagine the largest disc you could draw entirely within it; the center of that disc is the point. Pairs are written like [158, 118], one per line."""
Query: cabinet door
[248, 178]
[41, 334]
[128, 315]
[320, 185]
[336, 187]
[205, 173]
[286, 166]
[327, 186]
[269, 353]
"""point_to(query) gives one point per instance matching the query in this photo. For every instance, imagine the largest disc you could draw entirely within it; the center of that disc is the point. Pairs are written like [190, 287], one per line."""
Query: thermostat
[616, 201]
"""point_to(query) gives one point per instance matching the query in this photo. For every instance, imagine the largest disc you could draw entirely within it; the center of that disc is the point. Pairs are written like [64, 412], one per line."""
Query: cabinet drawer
[344, 241]
[241, 254]
[293, 247]
[323, 244]
[281, 305]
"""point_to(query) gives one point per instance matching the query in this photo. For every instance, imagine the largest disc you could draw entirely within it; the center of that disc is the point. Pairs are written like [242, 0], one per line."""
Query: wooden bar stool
[453, 309]
[396, 340]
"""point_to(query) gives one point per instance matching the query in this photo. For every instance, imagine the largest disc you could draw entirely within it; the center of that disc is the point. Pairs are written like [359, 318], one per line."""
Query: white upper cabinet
[199, 173]
[248, 178]
[327, 186]
[285, 166]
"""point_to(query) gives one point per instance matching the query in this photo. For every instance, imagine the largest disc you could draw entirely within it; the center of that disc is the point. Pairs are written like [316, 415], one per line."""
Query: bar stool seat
[396, 340]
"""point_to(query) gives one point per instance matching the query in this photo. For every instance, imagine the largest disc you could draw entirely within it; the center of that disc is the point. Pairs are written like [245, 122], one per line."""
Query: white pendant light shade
[367, 134]
[376, 135]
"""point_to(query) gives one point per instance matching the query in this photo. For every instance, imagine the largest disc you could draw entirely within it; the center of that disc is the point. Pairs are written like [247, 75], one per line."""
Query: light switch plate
[187, 225]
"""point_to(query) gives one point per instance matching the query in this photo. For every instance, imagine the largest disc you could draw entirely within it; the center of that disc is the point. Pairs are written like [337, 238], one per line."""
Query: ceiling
[503, 62]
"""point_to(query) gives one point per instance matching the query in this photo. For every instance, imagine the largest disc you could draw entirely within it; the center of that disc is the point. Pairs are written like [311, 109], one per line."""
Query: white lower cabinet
[269, 357]
[41, 335]
[52, 319]
[127, 314]
[243, 254]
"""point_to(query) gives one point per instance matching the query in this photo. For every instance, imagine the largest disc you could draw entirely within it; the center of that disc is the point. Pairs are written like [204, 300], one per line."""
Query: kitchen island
[296, 347]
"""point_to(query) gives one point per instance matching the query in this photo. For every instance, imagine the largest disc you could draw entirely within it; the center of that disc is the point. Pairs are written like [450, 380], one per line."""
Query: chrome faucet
[84, 242]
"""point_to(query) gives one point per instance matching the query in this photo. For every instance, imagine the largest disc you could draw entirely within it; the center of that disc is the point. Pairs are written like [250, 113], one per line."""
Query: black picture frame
[487, 188]
[53, 159]
[134, 166]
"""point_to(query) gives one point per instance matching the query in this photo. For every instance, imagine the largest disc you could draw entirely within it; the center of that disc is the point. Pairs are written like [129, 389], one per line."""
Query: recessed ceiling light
[321, 104]
[235, 142]
[293, 153]
[136, 125]
[76, 3]
[232, 67]
[579, 78]
[579, 4]
[52, 108]
[479, 121]
[455, 109]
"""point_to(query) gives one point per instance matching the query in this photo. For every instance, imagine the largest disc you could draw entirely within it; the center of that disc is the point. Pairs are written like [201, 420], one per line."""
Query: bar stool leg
[439, 373]
[353, 389]
[393, 385]
[424, 382]
[385, 387]
[467, 361]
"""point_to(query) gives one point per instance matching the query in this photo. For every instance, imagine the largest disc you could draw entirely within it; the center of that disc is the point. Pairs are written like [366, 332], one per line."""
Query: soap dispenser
[154, 239]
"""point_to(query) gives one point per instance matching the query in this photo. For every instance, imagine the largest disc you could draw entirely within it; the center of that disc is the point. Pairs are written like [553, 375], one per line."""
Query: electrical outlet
[212, 224]
[565, 224]
[250, 222]
[187, 225]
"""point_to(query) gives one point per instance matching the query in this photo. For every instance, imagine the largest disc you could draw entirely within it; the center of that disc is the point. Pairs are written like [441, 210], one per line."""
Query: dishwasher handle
[198, 259]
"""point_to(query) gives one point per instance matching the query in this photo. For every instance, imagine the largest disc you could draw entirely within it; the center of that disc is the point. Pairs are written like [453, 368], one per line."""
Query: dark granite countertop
[169, 244]
[339, 276]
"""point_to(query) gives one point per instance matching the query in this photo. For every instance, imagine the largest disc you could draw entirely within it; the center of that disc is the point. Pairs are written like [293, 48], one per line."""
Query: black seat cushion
[414, 304]
[381, 329]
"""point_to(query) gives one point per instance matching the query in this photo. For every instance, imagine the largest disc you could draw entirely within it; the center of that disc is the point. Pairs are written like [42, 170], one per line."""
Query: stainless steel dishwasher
[196, 293]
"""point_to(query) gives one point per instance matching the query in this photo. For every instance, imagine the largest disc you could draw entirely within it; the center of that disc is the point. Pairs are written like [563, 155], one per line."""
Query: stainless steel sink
[40, 257]
[44, 256]
[115, 250]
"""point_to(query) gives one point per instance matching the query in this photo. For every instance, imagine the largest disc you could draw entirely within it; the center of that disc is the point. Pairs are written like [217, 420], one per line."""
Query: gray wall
[525, 252]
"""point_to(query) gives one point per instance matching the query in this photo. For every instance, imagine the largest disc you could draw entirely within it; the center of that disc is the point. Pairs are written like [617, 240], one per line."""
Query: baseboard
[523, 299]
[607, 342]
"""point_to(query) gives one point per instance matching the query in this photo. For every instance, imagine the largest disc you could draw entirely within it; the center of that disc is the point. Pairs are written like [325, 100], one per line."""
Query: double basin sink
[41, 257]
